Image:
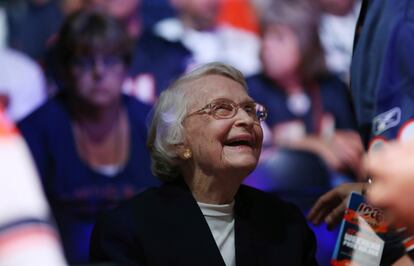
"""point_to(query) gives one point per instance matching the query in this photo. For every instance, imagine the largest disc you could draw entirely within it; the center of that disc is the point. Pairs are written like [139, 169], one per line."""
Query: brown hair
[87, 32]
[303, 18]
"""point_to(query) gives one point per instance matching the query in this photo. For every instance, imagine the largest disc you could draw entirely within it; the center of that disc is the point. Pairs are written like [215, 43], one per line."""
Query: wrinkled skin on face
[222, 148]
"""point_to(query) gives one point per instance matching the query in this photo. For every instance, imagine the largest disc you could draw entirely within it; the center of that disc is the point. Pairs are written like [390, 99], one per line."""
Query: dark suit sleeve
[271, 231]
[308, 237]
[310, 247]
[113, 240]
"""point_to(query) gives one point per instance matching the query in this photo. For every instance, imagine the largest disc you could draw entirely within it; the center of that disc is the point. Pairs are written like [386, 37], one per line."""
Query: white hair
[166, 129]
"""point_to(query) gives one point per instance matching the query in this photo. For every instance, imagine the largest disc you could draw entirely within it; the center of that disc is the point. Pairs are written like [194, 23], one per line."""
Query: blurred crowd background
[90, 152]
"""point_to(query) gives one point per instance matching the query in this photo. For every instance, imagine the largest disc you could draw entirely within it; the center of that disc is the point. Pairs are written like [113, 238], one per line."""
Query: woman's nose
[99, 67]
[244, 118]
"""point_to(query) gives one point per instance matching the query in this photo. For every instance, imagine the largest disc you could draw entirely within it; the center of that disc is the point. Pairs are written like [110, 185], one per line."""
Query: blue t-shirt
[75, 191]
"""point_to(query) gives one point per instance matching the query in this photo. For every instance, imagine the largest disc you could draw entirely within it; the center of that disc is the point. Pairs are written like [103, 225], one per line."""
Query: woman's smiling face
[220, 146]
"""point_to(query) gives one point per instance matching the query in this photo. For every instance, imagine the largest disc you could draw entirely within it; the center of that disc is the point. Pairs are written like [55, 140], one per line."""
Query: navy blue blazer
[164, 226]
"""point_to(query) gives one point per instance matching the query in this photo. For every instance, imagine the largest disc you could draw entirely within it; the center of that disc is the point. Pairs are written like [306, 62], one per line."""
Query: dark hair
[89, 32]
[303, 18]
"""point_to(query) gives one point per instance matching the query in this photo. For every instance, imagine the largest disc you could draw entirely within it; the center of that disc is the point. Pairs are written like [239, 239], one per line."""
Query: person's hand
[331, 206]
[318, 146]
[392, 169]
[348, 148]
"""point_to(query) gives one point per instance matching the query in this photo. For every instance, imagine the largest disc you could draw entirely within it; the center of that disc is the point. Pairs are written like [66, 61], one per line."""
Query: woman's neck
[291, 84]
[213, 189]
[103, 139]
[97, 122]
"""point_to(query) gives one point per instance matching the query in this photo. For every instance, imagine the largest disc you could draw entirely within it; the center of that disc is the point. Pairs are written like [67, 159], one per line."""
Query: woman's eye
[84, 62]
[224, 107]
[223, 110]
[112, 60]
[250, 109]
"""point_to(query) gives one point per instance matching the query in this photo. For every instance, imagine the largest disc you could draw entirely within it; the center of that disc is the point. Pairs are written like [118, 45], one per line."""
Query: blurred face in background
[337, 7]
[280, 52]
[71, 6]
[94, 51]
[201, 14]
[121, 9]
[97, 78]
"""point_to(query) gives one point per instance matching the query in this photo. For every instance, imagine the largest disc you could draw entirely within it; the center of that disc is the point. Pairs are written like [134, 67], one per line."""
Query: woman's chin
[244, 163]
[242, 156]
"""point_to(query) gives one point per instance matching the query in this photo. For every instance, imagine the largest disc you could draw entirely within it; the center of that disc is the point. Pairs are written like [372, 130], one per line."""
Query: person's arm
[341, 133]
[342, 152]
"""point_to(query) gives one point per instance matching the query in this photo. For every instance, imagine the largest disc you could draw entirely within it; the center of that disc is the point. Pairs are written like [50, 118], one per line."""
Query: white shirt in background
[23, 81]
[337, 37]
[3, 28]
[224, 43]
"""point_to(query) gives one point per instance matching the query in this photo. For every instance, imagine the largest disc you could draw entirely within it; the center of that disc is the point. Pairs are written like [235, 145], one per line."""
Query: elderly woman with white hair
[205, 139]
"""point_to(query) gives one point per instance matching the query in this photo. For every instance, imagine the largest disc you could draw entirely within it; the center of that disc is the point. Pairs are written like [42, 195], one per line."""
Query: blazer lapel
[246, 250]
[186, 224]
